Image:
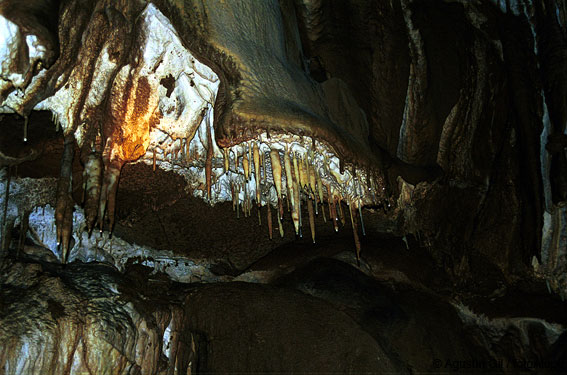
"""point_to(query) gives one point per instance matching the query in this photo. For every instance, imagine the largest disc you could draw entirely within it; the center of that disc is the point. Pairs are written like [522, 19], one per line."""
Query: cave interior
[361, 186]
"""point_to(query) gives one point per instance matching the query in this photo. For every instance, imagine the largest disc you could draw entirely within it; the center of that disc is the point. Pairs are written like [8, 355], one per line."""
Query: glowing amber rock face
[134, 113]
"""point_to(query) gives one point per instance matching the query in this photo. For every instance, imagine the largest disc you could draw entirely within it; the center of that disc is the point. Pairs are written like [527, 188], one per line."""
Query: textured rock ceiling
[176, 127]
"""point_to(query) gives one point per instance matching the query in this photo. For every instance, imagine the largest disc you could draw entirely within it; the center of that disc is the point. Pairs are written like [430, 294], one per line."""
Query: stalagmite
[64, 203]
[209, 161]
[311, 218]
[277, 175]
[93, 181]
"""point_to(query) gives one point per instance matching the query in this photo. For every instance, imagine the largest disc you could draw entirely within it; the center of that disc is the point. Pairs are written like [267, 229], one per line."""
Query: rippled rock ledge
[325, 316]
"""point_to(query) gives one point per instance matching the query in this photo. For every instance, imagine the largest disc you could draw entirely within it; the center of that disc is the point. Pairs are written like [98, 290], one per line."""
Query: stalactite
[354, 230]
[232, 192]
[256, 158]
[320, 191]
[226, 159]
[341, 212]
[209, 161]
[311, 218]
[295, 208]
[277, 176]
[93, 179]
[280, 226]
[312, 179]
[154, 160]
[303, 177]
[246, 165]
[269, 217]
[108, 193]
[5, 241]
[290, 187]
[24, 225]
[299, 211]
[361, 218]
[64, 203]
[26, 121]
[238, 201]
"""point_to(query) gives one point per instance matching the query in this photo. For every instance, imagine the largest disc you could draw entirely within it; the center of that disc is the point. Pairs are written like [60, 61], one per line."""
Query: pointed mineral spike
[334, 216]
[246, 165]
[295, 207]
[296, 171]
[154, 160]
[67, 229]
[355, 232]
[277, 175]
[93, 185]
[361, 219]
[113, 188]
[303, 177]
[209, 162]
[280, 226]
[311, 218]
[238, 201]
[269, 219]
[250, 152]
[320, 191]
[26, 119]
[288, 177]
[312, 184]
[341, 212]
[233, 196]
[256, 157]
[226, 159]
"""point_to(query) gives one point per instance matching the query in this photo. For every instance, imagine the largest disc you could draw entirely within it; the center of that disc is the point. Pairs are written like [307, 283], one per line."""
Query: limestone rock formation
[168, 143]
